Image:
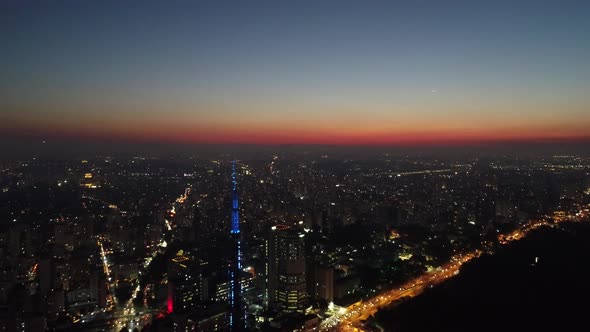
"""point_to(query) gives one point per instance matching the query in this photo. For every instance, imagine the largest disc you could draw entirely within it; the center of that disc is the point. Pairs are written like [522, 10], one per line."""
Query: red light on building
[170, 301]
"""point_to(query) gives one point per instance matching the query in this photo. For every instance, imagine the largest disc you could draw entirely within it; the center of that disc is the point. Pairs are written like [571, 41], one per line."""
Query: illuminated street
[349, 319]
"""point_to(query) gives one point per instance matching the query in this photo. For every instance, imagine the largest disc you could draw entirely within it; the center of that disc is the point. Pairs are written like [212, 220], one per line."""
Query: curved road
[350, 319]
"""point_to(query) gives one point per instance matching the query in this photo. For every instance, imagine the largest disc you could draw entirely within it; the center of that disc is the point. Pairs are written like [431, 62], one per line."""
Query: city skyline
[336, 73]
[327, 166]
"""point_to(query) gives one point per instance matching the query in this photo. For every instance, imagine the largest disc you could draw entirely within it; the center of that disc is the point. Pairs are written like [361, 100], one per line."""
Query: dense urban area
[276, 242]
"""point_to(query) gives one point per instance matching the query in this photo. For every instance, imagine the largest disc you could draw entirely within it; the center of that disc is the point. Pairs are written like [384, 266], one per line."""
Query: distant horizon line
[426, 140]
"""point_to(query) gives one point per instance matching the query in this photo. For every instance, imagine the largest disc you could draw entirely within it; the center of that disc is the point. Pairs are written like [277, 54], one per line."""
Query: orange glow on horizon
[266, 135]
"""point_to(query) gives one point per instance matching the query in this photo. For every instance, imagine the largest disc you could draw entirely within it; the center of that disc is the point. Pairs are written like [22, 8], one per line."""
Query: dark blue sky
[393, 69]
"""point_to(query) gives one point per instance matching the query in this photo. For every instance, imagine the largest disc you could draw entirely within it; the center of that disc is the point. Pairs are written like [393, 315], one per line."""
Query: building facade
[286, 269]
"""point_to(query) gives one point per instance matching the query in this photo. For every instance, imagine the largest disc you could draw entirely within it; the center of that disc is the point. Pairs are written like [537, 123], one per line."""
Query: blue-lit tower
[235, 214]
[236, 319]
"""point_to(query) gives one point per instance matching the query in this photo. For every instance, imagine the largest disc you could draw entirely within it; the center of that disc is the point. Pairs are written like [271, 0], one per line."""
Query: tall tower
[236, 319]
[286, 269]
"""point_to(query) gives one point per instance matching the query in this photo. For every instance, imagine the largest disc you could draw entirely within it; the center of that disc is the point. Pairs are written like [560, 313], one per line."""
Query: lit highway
[347, 319]
[101, 316]
[119, 316]
[350, 318]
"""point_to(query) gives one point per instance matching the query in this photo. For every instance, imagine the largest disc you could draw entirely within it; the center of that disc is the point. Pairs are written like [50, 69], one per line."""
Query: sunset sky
[320, 72]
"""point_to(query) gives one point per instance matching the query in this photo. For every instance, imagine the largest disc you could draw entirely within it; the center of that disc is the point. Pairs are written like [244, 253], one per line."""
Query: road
[115, 315]
[350, 319]
[347, 319]
[127, 315]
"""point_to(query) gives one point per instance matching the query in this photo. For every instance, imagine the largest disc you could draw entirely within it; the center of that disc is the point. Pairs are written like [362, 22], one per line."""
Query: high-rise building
[186, 290]
[213, 318]
[286, 269]
[324, 283]
[237, 312]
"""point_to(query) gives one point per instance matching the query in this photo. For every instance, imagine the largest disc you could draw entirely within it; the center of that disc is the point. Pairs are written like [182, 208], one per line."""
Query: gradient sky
[323, 72]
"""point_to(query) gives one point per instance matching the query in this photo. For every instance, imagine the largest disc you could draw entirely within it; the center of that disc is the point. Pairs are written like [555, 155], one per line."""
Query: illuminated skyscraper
[185, 283]
[286, 269]
[236, 320]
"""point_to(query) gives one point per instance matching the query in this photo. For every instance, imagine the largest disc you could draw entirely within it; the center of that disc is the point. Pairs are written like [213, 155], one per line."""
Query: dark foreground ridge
[540, 283]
